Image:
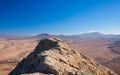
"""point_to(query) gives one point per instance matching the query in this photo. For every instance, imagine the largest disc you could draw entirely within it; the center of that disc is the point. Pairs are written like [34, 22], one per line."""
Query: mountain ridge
[92, 35]
[53, 56]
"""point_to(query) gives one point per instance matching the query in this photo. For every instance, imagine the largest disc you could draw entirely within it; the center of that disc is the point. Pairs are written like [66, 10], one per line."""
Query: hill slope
[53, 56]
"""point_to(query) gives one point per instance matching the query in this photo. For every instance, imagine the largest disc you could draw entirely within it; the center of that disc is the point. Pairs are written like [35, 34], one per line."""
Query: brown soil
[12, 51]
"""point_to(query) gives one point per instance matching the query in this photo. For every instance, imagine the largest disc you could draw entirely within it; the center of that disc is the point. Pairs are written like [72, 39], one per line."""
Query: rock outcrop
[53, 57]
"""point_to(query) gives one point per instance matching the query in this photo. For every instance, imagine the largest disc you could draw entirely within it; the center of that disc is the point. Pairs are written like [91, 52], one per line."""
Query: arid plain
[103, 51]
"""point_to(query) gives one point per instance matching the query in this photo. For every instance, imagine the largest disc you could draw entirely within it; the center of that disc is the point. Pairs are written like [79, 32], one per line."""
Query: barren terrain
[12, 51]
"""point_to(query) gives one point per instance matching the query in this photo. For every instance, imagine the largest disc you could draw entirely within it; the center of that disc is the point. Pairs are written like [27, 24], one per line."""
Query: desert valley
[104, 49]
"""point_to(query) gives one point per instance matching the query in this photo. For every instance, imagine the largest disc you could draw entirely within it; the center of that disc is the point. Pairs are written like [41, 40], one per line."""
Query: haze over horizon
[30, 17]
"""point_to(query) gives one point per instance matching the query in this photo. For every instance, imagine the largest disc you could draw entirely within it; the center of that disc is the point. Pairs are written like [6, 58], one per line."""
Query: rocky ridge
[54, 57]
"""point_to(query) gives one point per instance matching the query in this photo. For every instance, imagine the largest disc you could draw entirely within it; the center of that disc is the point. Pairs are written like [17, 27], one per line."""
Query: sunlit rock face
[54, 57]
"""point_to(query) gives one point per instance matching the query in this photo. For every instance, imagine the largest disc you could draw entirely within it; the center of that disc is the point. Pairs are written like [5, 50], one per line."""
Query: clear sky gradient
[59, 16]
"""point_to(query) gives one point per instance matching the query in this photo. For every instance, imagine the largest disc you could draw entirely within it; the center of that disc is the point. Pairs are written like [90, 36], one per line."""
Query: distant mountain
[10, 36]
[95, 35]
[43, 35]
[92, 35]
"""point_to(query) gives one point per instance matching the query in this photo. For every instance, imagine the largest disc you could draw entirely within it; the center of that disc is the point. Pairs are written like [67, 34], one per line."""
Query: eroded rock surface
[53, 56]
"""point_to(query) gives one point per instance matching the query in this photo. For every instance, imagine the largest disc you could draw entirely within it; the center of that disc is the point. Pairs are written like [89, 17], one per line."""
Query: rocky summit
[54, 57]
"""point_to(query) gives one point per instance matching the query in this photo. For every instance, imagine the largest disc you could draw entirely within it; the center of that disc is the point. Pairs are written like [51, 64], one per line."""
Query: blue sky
[32, 17]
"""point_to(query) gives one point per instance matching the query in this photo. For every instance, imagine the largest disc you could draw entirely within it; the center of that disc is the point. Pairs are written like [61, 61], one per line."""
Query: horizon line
[34, 34]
